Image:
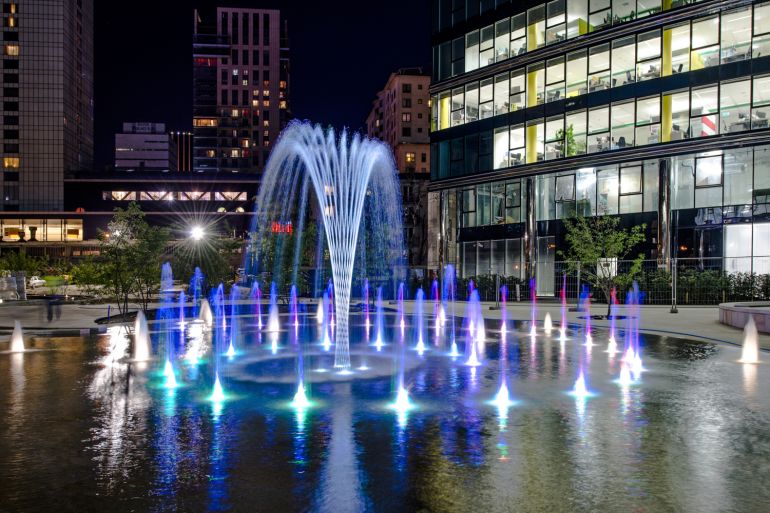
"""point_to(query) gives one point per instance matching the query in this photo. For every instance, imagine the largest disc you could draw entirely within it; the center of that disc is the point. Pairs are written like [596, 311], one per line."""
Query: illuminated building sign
[277, 227]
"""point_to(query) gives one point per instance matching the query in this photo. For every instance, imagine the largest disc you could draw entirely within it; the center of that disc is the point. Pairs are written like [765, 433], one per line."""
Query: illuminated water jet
[750, 349]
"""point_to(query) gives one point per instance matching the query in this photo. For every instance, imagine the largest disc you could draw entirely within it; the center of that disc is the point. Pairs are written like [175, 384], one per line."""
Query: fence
[688, 281]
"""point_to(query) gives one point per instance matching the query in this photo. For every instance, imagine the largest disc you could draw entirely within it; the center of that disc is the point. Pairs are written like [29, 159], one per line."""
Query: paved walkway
[696, 322]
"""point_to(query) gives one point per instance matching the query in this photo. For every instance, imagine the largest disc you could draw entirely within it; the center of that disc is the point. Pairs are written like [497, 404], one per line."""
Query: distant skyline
[341, 54]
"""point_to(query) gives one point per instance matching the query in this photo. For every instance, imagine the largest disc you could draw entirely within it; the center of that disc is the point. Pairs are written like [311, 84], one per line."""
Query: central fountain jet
[348, 177]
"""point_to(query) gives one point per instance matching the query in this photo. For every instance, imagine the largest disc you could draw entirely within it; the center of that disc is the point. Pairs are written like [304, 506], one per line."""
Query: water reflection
[341, 486]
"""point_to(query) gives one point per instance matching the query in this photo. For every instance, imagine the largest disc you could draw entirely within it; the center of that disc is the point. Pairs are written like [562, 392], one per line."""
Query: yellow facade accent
[443, 112]
[531, 37]
[667, 4]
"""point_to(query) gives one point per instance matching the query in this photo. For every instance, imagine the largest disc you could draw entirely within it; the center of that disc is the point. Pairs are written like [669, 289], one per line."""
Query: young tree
[596, 245]
[131, 256]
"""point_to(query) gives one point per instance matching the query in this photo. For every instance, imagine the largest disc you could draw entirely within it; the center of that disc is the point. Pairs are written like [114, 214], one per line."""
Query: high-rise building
[655, 111]
[47, 85]
[145, 147]
[184, 150]
[240, 87]
[400, 117]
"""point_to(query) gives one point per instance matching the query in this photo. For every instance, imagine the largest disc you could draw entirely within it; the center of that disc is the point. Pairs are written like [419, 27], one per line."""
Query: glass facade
[651, 116]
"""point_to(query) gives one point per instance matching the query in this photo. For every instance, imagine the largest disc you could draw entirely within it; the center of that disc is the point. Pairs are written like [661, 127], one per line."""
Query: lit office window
[11, 162]
[736, 35]
[12, 50]
[705, 43]
[760, 112]
[734, 103]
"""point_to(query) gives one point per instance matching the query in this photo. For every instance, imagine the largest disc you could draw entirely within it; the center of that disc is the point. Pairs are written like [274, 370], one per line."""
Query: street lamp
[196, 233]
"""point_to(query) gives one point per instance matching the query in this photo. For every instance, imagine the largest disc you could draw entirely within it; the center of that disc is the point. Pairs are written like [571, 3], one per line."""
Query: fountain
[205, 314]
[750, 350]
[533, 316]
[547, 323]
[196, 291]
[612, 343]
[438, 311]
[17, 338]
[273, 323]
[345, 175]
[449, 306]
[141, 338]
[367, 322]
[419, 319]
[563, 328]
[233, 322]
[585, 301]
[473, 319]
[379, 322]
[502, 399]
[256, 298]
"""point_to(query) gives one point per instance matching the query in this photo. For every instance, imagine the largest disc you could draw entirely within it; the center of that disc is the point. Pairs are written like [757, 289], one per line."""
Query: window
[518, 34]
[704, 116]
[622, 124]
[501, 94]
[406, 88]
[598, 68]
[599, 16]
[11, 162]
[536, 78]
[598, 129]
[738, 171]
[472, 51]
[556, 30]
[12, 50]
[760, 112]
[513, 202]
[406, 103]
[406, 116]
[486, 46]
[734, 103]
[761, 44]
[679, 55]
[485, 99]
[554, 138]
[648, 55]
[498, 203]
[468, 208]
[406, 131]
[554, 80]
[647, 120]
[518, 89]
[471, 102]
[708, 181]
[483, 204]
[736, 35]
[705, 43]
[500, 152]
[630, 189]
[577, 63]
[575, 143]
[536, 27]
[623, 61]
[502, 39]
[607, 191]
[457, 107]
[410, 157]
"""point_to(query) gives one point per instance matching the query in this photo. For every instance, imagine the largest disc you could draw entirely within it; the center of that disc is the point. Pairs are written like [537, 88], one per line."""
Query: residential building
[47, 85]
[654, 111]
[145, 147]
[400, 117]
[240, 87]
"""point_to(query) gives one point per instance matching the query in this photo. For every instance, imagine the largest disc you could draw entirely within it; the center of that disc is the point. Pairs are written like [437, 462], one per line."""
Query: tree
[20, 261]
[88, 276]
[596, 244]
[131, 255]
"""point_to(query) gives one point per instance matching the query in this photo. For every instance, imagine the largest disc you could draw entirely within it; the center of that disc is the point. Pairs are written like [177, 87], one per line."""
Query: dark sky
[341, 55]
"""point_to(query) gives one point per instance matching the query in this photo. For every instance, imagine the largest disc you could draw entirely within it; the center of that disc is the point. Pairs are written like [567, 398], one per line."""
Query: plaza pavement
[691, 321]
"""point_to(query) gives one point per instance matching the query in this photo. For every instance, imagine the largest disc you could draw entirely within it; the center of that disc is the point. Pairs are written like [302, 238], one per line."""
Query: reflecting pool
[87, 429]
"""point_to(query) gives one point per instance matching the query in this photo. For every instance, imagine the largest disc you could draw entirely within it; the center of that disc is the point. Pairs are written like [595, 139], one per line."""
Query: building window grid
[539, 26]
[600, 73]
[635, 122]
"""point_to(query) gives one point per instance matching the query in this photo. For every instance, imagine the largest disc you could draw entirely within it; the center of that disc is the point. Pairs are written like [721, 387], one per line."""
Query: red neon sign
[277, 227]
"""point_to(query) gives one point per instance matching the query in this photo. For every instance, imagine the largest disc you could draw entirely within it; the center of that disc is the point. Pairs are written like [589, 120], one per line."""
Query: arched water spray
[344, 175]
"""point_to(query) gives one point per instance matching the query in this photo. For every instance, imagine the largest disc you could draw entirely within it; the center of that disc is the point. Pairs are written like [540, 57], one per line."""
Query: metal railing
[686, 281]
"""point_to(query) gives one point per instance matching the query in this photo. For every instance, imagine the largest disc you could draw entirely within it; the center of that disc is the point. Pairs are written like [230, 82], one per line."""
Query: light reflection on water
[693, 435]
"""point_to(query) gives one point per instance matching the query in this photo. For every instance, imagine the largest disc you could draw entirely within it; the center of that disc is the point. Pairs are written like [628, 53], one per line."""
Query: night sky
[341, 55]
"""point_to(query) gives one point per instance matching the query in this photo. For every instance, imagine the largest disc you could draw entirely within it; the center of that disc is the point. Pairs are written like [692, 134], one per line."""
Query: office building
[145, 147]
[47, 85]
[240, 87]
[656, 111]
[400, 117]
